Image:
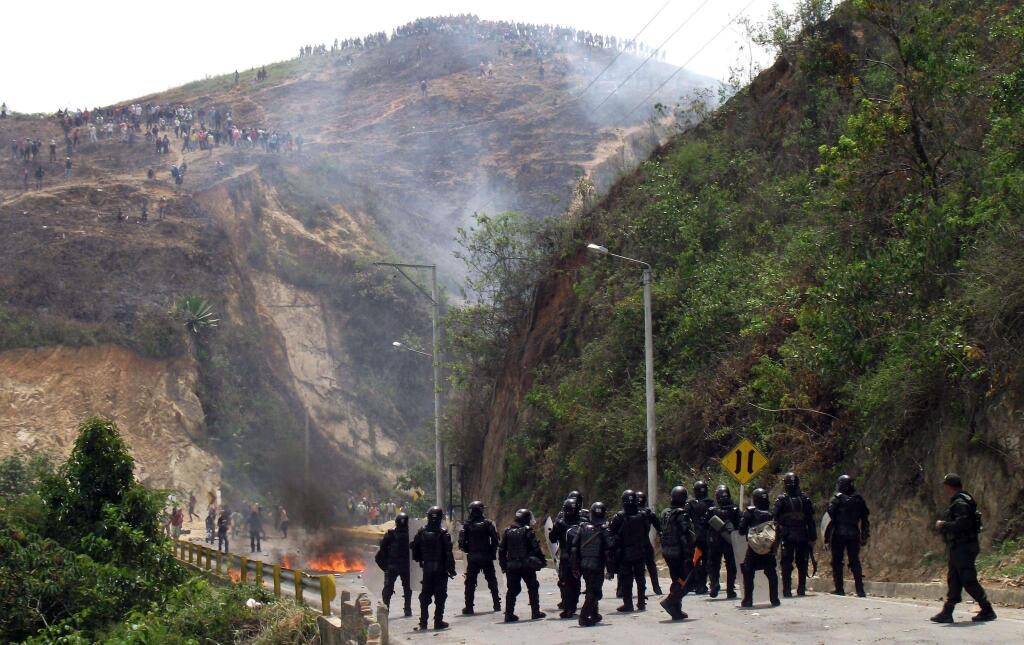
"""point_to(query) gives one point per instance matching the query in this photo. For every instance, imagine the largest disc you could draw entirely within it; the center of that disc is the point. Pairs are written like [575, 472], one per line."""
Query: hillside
[837, 265]
[278, 239]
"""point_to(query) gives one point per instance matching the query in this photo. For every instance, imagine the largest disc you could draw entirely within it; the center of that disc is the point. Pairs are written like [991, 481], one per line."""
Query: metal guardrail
[258, 572]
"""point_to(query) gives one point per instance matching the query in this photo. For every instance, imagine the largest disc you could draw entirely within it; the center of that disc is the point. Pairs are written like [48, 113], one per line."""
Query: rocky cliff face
[280, 245]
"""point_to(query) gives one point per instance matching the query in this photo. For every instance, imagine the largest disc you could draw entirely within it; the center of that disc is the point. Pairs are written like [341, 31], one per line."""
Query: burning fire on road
[336, 562]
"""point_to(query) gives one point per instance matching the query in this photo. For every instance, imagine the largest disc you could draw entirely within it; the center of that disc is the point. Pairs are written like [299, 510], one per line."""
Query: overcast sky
[73, 54]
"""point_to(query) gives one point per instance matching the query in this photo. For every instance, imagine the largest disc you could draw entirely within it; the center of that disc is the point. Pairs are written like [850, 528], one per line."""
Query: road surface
[814, 619]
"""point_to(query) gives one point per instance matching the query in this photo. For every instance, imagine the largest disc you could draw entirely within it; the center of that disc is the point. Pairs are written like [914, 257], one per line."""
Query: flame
[235, 574]
[286, 562]
[337, 562]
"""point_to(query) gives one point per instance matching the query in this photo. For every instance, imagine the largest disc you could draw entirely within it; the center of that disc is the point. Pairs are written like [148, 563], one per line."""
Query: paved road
[817, 618]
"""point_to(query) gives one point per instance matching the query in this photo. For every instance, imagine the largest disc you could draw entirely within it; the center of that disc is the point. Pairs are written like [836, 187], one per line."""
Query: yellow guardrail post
[191, 552]
[298, 586]
[327, 592]
[277, 580]
[209, 557]
[259, 573]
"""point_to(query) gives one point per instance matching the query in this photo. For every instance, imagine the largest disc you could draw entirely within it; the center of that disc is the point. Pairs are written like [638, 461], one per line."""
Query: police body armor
[476, 540]
[676, 534]
[793, 518]
[969, 534]
[398, 552]
[847, 517]
[729, 514]
[431, 551]
[697, 510]
[591, 549]
[633, 537]
[517, 547]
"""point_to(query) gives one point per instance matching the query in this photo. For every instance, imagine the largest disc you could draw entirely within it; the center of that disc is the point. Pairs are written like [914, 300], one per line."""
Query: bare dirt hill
[280, 245]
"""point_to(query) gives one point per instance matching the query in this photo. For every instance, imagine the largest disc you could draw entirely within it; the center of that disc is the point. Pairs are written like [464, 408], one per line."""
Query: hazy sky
[73, 54]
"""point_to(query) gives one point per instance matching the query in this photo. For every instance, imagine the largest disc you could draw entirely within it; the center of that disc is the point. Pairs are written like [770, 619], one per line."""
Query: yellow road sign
[744, 461]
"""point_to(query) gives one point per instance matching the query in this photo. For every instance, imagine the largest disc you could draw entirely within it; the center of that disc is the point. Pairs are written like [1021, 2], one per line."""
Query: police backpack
[761, 538]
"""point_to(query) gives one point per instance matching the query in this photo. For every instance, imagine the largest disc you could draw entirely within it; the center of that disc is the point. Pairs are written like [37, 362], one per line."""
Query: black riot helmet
[434, 517]
[401, 521]
[844, 484]
[629, 500]
[760, 497]
[524, 517]
[476, 510]
[722, 495]
[597, 511]
[641, 499]
[570, 508]
[791, 482]
[576, 495]
[700, 489]
[679, 496]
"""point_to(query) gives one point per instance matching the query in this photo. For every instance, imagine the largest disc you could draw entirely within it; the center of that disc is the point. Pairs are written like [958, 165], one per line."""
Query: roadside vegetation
[83, 559]
[838, 268]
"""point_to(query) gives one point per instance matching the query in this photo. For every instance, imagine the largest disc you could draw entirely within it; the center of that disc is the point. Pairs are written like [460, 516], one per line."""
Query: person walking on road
[255, 523]
[960, 526]
[629, 529]
[192, 507]
[211, 522]
[432, 548]
[677, 549]
[393, 558]
[758, 525]
[794, 513]
[283, 522]
[520, 558]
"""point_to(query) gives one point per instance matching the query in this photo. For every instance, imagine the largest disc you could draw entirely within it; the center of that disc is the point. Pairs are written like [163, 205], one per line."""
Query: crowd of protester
[364, 511]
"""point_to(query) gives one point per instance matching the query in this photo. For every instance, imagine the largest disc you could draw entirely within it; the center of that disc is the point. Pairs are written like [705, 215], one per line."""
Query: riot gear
[753, 517]
[679, 496]
[720, 543]
[478, 538]
[847, 532]
[476, 510]
[760, 499]
[520, 558]
[845, 484]
[432, 548]
[697, 508]
[641, 499]
[652, 519]
[798, 531]
[630, 528]
[591, 555]
[959, 526]
[562, 531]
[393, 558]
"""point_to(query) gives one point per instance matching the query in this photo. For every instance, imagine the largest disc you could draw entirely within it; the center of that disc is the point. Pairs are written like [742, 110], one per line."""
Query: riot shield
[550, 547]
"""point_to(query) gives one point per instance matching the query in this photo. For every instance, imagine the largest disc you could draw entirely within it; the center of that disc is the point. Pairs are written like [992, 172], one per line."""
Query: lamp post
[435, 306]
[652, 444]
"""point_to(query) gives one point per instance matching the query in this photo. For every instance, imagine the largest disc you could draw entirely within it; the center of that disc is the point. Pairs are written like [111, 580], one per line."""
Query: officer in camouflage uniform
[959, 526]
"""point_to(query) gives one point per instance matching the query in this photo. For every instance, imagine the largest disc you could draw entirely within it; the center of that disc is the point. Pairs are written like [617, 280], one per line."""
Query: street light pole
[652, 443]
[435, 309]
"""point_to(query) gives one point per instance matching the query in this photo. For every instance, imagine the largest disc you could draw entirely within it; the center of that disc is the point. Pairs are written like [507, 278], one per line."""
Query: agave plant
[198, 314]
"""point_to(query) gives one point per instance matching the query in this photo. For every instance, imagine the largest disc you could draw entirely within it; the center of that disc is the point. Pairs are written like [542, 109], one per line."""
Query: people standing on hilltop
[53, 151]
[39, 177]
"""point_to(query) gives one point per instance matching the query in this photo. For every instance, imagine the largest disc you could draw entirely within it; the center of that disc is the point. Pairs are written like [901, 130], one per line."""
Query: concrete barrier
[930, 591]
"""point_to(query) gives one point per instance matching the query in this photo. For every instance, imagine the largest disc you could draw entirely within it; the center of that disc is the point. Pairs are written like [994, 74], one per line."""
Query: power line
[653, 53]
[690, 59]
[622, 51]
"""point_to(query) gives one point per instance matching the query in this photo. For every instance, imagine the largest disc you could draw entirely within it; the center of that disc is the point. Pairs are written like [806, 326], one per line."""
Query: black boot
[510, 609]
[439, 615]
[467, 611]
[408, 607]
[627, 603]
[945, 615]
[858, 584]
[986, 614]
[536, 613]
[497, 601]
[773, 591]
[424, 615]
[673, 609]
[837, 581]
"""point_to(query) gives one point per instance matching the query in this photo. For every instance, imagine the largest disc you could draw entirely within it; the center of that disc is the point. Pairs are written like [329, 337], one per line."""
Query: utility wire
[653, 53]
[690, 59]
[622, 51]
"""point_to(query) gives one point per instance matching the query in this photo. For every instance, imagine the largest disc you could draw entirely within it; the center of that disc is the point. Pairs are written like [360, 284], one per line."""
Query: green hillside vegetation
[838, 270]
[83, 559]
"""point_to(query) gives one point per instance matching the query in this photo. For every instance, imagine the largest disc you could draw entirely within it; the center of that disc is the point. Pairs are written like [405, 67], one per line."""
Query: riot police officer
[697, 509]
[592, 556]
[629, 528]
[393, 558]
[520, 558]
[719, 544]
[794, 514]
[478, 539]
[676, 548]
[652, 519]
[848, 531]
[568, 584]
[959, 526]
[432, 548]
[755, 516]
[580, 505]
